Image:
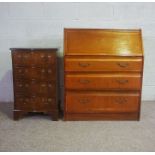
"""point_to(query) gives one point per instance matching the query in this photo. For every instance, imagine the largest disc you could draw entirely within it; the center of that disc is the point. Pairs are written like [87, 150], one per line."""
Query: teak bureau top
[103, 42]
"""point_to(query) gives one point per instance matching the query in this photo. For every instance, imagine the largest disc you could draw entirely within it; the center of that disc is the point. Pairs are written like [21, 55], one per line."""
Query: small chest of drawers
[35, 81]
[103, 74]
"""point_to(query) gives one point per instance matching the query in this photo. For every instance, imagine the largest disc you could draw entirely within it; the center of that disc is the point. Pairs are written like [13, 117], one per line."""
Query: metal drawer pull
[26, 85]
[33, 81]
[49, 85]
[121, 100]
[122, 64]
[42, 56]
[84, 64]
[122, 81]
[84, 81]
[49, 99]
[84, 101]
[27, 100]
[49, 71]
[25, 56]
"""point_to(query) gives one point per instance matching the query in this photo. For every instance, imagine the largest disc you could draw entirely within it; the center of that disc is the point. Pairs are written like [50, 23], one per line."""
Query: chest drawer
[98, 65]
[101, 102]
[31, 87]
[35, 73]
[33, 58]
[34, 103]
[103, 81]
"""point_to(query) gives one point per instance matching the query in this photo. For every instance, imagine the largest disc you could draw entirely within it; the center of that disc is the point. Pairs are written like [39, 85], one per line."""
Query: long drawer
[103, 81]
[92, 102]
[31, 73]
[110, 64]
[35, 103]
[33, 58]
[40, 88]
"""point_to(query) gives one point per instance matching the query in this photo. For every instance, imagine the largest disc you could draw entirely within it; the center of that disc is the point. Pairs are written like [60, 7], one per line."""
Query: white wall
[41, 25]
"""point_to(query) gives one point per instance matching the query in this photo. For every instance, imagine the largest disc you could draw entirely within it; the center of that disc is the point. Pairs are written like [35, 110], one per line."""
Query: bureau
[35, 81]
[103, 74]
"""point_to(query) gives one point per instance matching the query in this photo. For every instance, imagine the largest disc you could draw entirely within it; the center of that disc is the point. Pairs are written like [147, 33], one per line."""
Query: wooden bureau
[103, 74]
[35, 81]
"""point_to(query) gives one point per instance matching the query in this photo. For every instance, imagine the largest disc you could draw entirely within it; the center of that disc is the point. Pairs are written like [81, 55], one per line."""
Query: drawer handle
[84, 64]
[123, 65]
[121, 100]
[122, 81]
[84, 101]
[84, 81]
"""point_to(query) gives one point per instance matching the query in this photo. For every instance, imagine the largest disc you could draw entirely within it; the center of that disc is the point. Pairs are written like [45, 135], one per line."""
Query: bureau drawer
[103, 81]
[96, 65]
[102, 102]
[30, 73]
[42, 88]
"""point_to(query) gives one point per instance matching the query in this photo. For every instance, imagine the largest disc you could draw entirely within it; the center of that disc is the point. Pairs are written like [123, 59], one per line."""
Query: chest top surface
[103, 42]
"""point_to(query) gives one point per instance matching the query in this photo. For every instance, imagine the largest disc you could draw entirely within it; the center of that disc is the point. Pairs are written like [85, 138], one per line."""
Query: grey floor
[39, 133]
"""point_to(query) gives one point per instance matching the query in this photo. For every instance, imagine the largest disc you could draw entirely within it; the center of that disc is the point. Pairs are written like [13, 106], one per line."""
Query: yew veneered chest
[35, 81]
[103, 74]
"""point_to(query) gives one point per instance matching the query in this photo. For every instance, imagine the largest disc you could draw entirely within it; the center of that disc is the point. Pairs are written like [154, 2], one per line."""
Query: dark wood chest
[35, 81]
[103, 74]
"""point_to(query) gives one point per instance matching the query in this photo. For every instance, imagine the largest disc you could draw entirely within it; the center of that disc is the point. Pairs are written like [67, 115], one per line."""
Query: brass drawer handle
[84, 64]
[122, 64]
[122, 81]
[121, 100]
[83, 81]
[84, 101]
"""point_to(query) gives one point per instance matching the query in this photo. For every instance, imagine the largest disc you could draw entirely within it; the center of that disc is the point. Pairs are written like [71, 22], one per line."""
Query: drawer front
[91, 65]
[43, 58]
[101, 102]
[21, 58]
[34, 58]
[34, 103]
[31, 73]
[35, 87]
[103, 82]
[24, 103]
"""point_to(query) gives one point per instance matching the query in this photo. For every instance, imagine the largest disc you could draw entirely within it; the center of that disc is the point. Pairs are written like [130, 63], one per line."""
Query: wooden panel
[103, 81]
[101, 102]
[102, 42]
[101, 116]
[91, 65]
